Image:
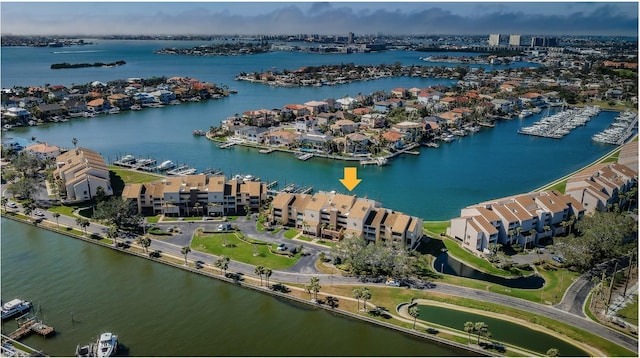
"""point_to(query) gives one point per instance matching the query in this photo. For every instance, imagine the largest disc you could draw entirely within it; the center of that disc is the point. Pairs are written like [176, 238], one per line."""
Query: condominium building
[523, 219]
[599, 186]
[494, 39]
[81, 172]
[197, 194]
[333, 216]
[514, 40]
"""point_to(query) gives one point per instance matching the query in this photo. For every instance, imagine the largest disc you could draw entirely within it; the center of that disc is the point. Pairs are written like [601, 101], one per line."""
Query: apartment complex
[195, 195]
[333, 216]
[599, 186]
[524, 219]
[81, 172]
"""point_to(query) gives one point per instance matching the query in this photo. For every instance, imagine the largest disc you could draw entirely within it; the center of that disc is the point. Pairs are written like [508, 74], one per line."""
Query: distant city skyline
[324, 18]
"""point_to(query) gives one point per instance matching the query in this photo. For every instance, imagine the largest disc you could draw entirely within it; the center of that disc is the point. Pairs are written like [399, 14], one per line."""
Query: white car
[39, 213]
[393, 283]
[12, 205]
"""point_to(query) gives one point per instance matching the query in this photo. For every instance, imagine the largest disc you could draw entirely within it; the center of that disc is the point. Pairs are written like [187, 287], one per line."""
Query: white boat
[449, 138]
[114, 110]
[136, 107]
[525, 113]
[107, 345]
[15, 307]
[166, 165]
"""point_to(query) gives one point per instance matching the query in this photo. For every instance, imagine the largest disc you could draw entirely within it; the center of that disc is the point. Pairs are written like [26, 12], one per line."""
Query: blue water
[434, 185]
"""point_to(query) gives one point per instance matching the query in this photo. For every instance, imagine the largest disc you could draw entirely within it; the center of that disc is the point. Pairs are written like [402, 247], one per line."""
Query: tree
[553, 352]
[366, 294]
[4, 202]
[480, 329]
[469, 327]
[414, 311]
[225, 263]
[123, 214]
[145, 242]
[57, 215]
[259, 270]
[267, 274]
[112, 233]
[185, 251]
[357, 294]
[83, 223]
[314, 286]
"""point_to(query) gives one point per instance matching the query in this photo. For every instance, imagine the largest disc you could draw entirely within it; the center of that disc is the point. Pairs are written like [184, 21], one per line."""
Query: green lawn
[63, 210]
[291, 233]
[242, 251]
[435, 228]
[134, 176]
[630, 312]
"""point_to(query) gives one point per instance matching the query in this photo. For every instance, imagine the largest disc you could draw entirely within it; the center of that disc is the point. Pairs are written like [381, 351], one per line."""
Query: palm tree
[145, 242]
[225, 263]
[112, 233]
[366, 294]
[469, 327]
[83, 223]
[480, 328]
[185, 251]
[267, 274]
[414, 311]
[259, 270]
[4, 202]
[357, 294]
[57, 215]
[218, 263]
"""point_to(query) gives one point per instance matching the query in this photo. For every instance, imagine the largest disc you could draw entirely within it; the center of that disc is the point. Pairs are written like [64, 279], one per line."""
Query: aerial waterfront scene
[319, 179]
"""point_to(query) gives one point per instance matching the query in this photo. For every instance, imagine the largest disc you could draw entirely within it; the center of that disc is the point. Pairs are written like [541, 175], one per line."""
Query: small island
[57, 66]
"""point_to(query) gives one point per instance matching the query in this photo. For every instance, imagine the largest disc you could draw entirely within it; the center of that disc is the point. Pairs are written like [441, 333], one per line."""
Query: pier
[266, 151]
[227, 145]
[305, 156]
[31, 325]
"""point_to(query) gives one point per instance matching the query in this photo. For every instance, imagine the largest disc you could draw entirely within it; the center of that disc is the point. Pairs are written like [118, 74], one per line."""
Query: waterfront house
[414, 91]
[144, 98]
[120, 100]
[81, 171]
[163, 96]
[297, 110]
[411, 131]
[395, 140]
[503, 105]
[260, 118]
[98, 105]
[281, 138]
[75, 107]
[399, 92]
[346, 103]
[44, 150]
[356, 144]
[305, 124]
[46, 111]
[316, 141]
[16, 115]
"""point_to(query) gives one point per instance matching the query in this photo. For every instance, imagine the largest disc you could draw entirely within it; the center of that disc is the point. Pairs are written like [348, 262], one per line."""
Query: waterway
[83, 290]
[434, 185]
[501, 330]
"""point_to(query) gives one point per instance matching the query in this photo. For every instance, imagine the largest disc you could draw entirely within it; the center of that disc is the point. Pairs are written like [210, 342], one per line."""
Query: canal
[83, 290]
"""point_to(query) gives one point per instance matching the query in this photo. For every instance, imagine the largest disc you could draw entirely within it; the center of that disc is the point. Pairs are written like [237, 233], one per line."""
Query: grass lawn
[153, 219]
[242, 251]
[134, 176]
[435, 228]
[63, 210]
[291, 233]
[559, 186]
[630, 312]
[304, 238]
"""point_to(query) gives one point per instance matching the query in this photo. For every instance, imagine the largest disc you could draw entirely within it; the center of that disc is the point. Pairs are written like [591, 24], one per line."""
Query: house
[163, 96]
[120, 100]
[81, 172]
[316, 107]
[374, 120]
[260, 118]
[343, 126]
[305, 124]
[316, 141]
[98, 105]
[281, 138]
[297, 110]
[399, 92]
[44, 150]
[395, 139]
[346, 103]
[411, 131]
[356, 143]
[46, 111]
[384, 106]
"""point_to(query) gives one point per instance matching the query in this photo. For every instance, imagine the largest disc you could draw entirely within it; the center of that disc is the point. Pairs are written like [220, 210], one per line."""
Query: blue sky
[414, 17]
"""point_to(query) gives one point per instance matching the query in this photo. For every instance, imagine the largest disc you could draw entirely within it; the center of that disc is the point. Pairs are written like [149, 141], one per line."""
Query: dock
[305, 156]
[272, 184]
[266, 151]
[31, 325]
[227, 145]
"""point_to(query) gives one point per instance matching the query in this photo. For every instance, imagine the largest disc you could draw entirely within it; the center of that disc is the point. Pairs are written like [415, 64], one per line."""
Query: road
[568, 311]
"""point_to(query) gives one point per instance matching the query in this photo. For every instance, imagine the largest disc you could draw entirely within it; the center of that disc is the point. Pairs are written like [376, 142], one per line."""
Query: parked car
[282, 247]
[39, 213]
[393, 283]
[12, 205]
[558, 259]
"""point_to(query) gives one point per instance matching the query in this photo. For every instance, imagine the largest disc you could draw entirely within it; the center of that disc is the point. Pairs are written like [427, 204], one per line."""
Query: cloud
[326, 18]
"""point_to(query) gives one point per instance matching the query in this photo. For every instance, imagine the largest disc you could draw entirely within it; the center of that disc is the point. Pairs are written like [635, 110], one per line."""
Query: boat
[182, 170]
[449, 138]
[107, 345]
[525, 113]
[136, 107]
[15, 307]
[166, 165]
[114, 110]
[199, 132]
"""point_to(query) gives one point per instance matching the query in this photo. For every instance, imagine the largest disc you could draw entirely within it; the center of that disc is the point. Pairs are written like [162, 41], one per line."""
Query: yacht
[107, 345]
[15, 307]
[166, 165]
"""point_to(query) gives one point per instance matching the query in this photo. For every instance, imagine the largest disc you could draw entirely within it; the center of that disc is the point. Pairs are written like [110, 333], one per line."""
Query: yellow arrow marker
[350, 180]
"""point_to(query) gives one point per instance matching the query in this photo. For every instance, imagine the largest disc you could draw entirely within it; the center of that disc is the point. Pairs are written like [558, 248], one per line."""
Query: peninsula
[57, 66]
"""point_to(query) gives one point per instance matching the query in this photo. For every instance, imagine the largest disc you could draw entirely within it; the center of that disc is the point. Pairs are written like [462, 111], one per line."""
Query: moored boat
[15, 307]
[107, 345]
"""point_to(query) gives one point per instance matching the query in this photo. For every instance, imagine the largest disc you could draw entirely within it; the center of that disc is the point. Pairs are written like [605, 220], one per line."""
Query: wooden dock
[227, 145]
[266, 151]
[32, 325]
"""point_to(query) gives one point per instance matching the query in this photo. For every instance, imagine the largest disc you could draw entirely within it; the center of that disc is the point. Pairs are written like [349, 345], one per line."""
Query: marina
[620, 130]
[29, 325]
[558, 125]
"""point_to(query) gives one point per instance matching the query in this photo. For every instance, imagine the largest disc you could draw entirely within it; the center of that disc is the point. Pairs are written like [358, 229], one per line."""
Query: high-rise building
[350, 39]
[544, 41]
[514, 40]
[494, 39]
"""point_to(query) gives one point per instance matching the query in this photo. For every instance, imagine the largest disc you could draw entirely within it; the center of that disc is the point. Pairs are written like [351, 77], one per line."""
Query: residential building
[334, 216]
[81, 172]
[197, 194]
[44, 150]
[598, 186]
[494, 39]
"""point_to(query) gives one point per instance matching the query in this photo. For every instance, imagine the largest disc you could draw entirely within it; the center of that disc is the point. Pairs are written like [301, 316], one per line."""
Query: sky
[327, 18]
